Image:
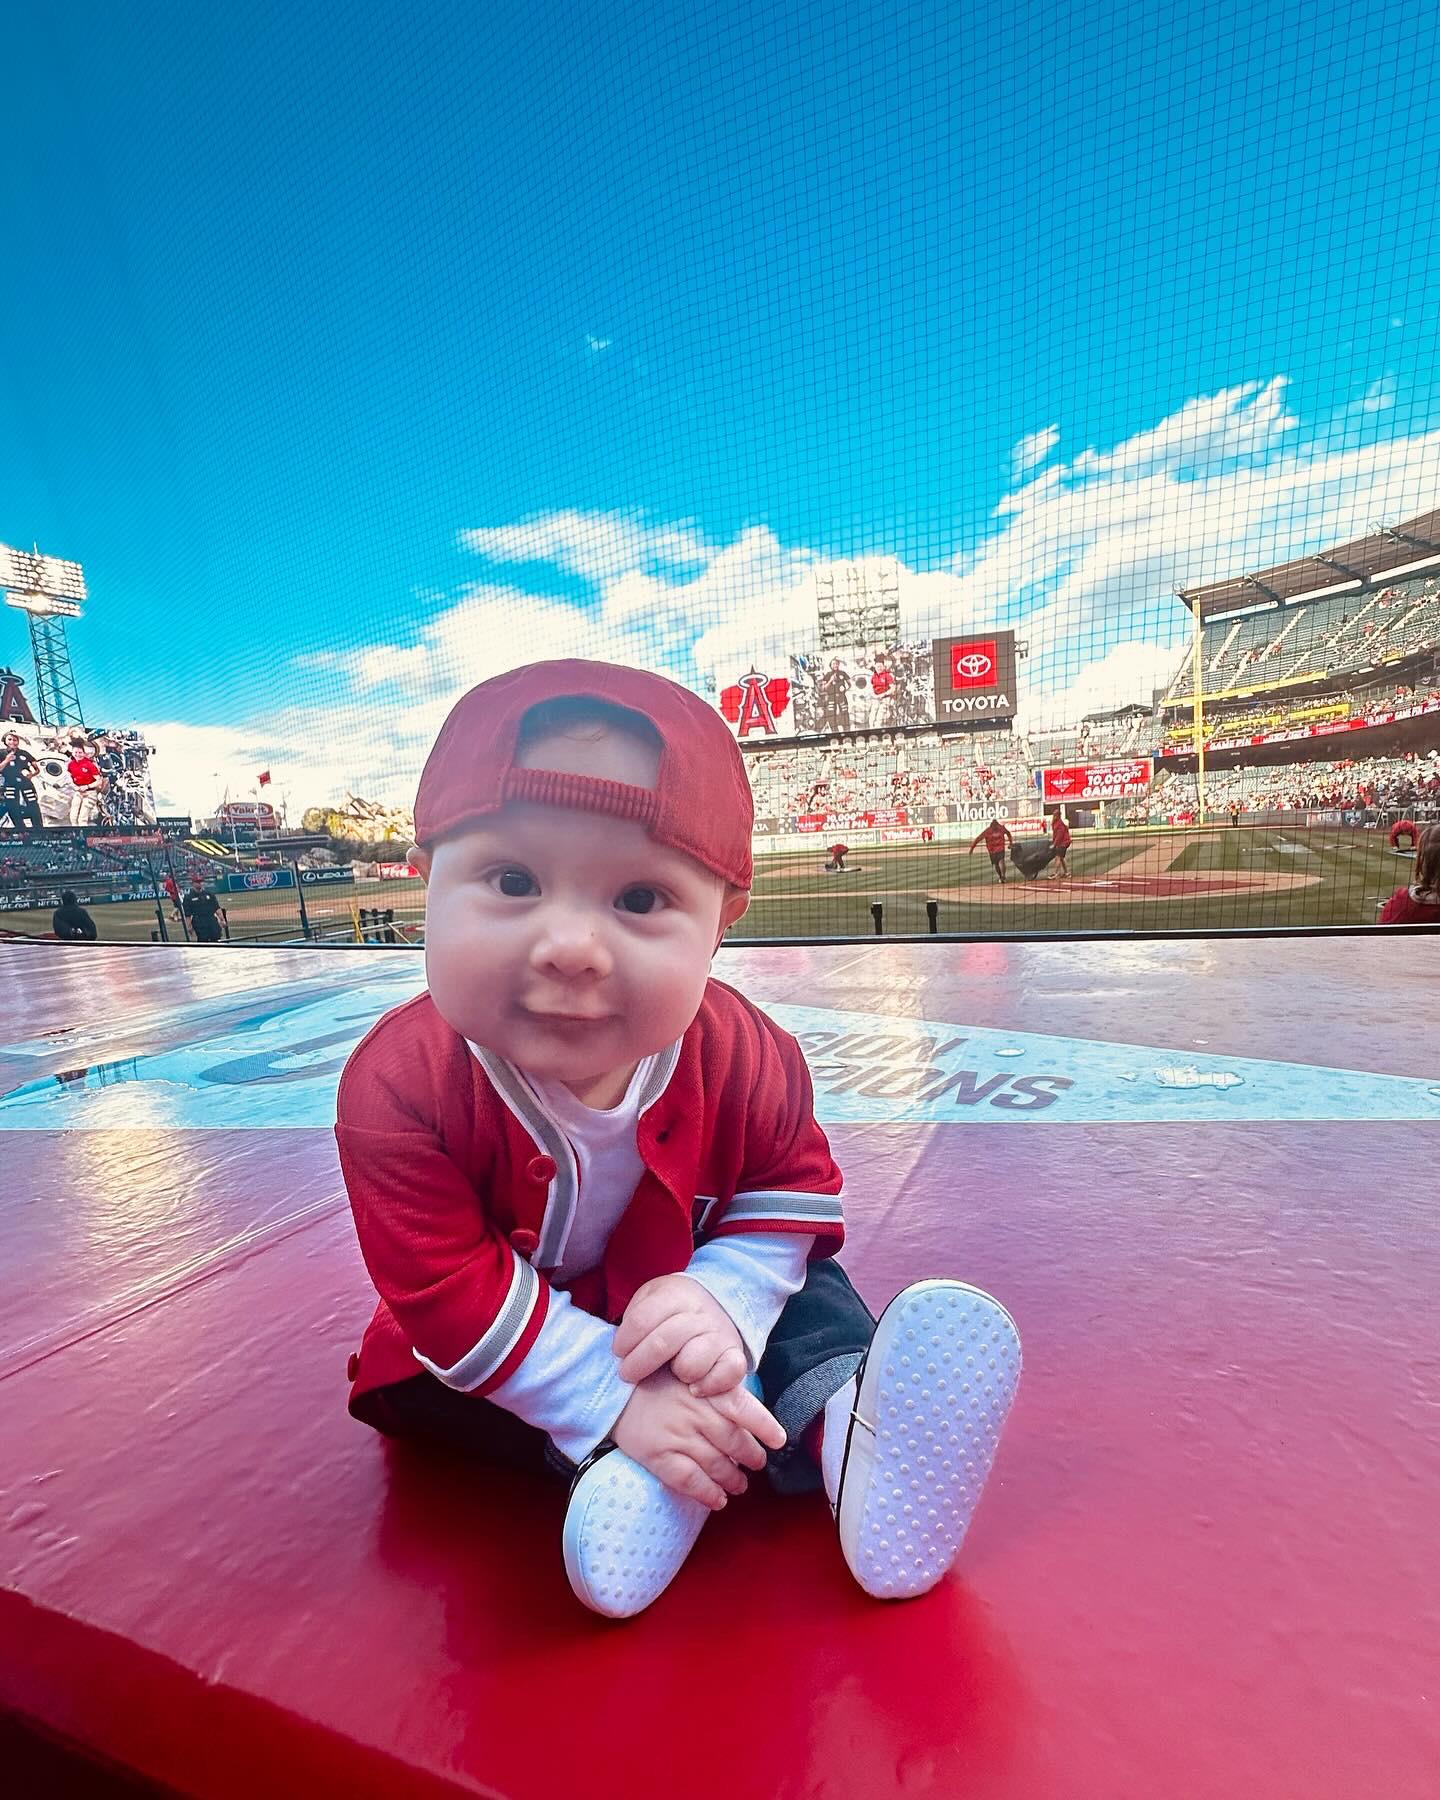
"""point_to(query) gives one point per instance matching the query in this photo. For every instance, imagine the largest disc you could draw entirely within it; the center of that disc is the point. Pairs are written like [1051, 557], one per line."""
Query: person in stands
[70, 922]
[204, 912]
[1419, 903]
[994, 837]
[17, 784]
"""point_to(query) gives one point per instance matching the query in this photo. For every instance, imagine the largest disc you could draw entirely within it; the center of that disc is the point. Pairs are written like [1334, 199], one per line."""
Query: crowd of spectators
[871, 774]
[1375, 784]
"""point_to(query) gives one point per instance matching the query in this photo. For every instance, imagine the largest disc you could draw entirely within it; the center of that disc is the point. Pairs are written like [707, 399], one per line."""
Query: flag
[265, 779]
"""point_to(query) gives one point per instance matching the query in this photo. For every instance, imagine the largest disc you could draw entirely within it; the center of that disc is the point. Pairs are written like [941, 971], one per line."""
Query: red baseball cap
[700, 804]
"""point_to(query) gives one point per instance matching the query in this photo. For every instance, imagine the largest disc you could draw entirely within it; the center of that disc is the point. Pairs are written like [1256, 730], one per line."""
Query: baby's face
[569, 942]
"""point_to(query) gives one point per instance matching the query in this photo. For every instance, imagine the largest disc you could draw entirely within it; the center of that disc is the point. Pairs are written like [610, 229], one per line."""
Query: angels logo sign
[758, 704]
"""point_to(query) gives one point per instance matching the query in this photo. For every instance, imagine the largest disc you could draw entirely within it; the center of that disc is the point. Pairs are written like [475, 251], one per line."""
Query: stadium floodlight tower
[858, 604]
[48, 591]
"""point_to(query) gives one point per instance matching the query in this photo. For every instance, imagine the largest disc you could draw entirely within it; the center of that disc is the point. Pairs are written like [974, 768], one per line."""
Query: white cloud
[1031, 451]
[598, 547]
[1380, 395]
[1206, 433]
[1083, 563]
[597, 344]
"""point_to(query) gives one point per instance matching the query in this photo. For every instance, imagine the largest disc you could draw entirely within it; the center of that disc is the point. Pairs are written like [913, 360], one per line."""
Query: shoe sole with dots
[933, 1395]
[626, 1536]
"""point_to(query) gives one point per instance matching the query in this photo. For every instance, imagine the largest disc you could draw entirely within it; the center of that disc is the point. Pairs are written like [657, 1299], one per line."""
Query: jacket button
[352, 1367]
[541, 1168]
[524, 1243]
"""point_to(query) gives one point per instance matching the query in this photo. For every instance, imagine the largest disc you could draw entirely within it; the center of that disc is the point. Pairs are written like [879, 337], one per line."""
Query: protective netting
[998, 419]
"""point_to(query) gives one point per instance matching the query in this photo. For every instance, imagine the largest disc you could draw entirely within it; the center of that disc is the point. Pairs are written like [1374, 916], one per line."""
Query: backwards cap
[700, 804]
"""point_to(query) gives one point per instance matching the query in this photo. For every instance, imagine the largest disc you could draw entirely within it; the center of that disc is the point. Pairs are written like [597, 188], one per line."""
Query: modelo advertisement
[1081, 784]
[974, 678]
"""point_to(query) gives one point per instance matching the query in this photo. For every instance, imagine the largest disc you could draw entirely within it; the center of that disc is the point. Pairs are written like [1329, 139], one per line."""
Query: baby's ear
[419, 860]
[734, 907]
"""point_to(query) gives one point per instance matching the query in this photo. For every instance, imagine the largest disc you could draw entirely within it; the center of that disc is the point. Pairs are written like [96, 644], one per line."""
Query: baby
[588, 1181]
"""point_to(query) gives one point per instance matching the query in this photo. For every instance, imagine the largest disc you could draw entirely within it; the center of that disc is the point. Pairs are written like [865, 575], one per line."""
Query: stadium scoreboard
[974, 677]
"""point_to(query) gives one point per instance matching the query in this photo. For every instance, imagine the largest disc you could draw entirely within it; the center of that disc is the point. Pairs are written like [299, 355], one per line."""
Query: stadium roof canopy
[1385, 555]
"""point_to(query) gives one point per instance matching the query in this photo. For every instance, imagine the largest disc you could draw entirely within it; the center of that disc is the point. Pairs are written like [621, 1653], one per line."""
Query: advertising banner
[327, 877]
[974, 678]
[249, 881]
[831, 693]
[971, 813]
[1181, 743]
[861, 821]
[1082, 784]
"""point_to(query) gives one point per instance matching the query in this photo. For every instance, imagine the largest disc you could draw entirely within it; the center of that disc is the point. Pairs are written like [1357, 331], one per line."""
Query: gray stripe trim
[562, 1193]
[660, 1077]
[479, 1364]
[782, 1204]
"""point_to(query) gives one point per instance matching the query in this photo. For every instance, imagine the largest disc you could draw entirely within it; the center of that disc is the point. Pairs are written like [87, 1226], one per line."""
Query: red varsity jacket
[463, 1187]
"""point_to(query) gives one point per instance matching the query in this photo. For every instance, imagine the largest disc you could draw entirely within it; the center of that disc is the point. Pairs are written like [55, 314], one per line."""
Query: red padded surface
[1207, 1565]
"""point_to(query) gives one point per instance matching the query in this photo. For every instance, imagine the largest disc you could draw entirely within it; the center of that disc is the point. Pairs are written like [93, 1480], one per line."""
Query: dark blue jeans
[815, 1348]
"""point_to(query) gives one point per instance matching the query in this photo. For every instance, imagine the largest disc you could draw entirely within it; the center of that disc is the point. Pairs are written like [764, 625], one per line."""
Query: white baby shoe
[626, 1535]
[909, 1442]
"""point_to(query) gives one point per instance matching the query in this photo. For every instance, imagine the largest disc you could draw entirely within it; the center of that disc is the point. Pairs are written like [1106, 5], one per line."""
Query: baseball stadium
[720, 808]
[904, 751]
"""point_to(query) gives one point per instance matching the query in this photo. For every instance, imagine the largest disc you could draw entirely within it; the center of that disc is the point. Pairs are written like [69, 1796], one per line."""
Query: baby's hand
[673, 1320]
[699, 1448]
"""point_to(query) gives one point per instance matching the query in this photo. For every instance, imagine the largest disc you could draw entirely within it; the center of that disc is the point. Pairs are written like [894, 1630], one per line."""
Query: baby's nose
[571, 947]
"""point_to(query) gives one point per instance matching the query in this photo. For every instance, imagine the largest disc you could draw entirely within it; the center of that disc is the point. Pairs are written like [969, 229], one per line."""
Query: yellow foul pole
[1198, 715]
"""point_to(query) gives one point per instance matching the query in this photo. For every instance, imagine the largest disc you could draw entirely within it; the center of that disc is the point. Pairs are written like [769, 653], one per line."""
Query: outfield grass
[1354, 871]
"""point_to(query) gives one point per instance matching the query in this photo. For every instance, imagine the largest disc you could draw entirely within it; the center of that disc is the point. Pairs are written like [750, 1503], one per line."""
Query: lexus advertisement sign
[975, 678]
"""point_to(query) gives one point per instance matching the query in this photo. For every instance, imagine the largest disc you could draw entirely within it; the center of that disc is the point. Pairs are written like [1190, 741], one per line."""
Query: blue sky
[358, 350]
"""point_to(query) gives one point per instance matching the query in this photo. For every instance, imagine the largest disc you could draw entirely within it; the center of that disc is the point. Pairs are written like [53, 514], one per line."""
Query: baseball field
[1140, 880]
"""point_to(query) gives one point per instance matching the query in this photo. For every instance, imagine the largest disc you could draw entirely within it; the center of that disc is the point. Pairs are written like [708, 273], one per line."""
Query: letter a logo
[14, 707]
[756, 703]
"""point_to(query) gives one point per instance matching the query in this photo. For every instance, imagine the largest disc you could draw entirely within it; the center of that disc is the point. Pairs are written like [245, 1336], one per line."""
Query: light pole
[48, 591]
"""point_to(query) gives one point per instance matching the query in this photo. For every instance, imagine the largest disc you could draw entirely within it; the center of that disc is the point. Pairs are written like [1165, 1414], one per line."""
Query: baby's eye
[639, 900]
[515, 884]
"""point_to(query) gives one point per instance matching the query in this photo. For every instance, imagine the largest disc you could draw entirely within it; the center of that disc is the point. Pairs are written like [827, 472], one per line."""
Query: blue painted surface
[279, 1066]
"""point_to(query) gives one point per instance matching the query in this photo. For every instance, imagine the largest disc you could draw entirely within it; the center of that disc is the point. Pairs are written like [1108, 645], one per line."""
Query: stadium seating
[1348, 632]
[24, 861]
[862, 775]
[1382, 782]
